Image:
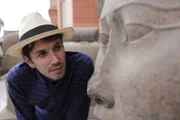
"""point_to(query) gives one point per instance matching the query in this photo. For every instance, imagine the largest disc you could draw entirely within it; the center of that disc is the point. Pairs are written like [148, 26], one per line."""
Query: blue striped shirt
[34, 98]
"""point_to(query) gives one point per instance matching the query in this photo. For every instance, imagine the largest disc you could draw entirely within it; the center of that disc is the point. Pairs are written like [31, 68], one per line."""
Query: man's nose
[54, 58]
[100, 91]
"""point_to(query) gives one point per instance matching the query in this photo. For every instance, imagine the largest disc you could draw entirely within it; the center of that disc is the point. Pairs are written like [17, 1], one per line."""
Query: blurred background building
[76, 13]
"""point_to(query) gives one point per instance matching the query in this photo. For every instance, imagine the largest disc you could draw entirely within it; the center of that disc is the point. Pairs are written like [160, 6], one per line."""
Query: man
[50, 84]
[137, 74]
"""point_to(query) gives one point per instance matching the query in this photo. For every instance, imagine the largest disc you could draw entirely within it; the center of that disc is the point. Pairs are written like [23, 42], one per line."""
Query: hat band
[38, 30]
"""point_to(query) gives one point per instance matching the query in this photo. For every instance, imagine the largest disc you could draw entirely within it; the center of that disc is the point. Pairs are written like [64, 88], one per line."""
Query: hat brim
[16, 50]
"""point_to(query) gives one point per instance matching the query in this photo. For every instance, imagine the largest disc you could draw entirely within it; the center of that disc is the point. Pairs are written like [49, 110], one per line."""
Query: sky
[12, 11]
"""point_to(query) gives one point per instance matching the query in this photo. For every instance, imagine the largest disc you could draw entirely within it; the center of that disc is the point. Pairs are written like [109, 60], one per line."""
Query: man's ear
[29, 62]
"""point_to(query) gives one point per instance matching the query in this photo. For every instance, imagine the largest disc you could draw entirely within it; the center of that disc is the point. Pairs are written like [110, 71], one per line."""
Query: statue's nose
[100, 91]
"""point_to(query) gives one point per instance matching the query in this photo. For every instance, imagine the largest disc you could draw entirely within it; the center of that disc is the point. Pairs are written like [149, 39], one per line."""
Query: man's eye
[136, 32]
[57, 48]
[41, 54]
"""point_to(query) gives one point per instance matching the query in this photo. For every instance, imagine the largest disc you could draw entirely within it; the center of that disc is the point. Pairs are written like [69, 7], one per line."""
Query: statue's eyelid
[136, 31]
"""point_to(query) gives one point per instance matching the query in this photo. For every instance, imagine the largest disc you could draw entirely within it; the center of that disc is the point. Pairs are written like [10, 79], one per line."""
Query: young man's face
[49, 58]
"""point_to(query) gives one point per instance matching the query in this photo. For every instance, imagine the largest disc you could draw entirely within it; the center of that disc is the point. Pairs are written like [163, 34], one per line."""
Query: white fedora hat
[34, 27]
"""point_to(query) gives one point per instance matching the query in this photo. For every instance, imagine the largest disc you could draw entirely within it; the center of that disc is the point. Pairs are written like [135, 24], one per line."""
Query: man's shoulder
[81, 66]
[19, 71]
[79, 58]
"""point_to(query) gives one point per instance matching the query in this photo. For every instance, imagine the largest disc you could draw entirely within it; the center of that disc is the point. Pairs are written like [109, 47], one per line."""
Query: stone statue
[137, 74]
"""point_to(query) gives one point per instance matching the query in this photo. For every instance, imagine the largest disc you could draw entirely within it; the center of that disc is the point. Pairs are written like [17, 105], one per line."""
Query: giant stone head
[137, 75]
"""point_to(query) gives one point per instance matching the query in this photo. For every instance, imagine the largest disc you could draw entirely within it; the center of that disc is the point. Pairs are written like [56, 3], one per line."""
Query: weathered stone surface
[137, 75]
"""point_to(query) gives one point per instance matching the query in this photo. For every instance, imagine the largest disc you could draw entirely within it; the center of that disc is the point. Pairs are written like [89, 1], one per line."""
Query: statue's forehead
[111, 5]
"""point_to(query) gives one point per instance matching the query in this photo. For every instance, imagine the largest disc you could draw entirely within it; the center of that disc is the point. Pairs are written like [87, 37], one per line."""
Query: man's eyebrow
[39, 51]
[43, 50]
[57, 43]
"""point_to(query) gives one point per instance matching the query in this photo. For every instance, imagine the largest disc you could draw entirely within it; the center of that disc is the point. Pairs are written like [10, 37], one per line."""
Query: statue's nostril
[98, 101]
[100, 92]
[104, 99]
[110, 104]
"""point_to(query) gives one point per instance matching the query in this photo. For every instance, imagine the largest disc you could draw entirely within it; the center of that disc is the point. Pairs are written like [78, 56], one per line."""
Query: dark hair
[28, 48]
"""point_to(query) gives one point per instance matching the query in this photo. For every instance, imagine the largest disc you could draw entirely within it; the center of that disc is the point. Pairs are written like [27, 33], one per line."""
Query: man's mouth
[57, 69]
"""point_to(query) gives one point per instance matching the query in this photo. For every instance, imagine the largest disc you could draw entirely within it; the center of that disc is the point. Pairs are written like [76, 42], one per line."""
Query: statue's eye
[136, 32]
